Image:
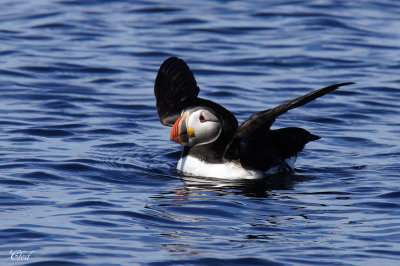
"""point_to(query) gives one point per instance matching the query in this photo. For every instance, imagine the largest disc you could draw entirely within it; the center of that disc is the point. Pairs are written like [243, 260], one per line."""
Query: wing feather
[175, 88]
[266, 118]
[258, 125]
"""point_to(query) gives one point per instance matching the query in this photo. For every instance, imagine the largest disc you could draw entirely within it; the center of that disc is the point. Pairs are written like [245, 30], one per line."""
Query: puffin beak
[179, 131]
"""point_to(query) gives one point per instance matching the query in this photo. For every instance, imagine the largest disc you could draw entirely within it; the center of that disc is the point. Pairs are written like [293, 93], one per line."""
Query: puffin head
[196, 126]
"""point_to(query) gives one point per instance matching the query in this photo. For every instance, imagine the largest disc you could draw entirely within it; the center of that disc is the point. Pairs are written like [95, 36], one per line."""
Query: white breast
[193, 166]
[229, 170]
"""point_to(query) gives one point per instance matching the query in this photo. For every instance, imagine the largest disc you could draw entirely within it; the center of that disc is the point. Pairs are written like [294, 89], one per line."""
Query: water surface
[88, 172]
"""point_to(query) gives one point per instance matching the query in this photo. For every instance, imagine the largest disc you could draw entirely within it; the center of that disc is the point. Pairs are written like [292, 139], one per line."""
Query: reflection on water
[249, 188]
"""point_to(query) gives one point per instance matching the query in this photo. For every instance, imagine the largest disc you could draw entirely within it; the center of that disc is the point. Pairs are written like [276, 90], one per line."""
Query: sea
[88, 173]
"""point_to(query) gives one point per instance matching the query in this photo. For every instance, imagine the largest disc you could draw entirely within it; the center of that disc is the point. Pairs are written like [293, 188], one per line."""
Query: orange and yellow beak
[180, 133]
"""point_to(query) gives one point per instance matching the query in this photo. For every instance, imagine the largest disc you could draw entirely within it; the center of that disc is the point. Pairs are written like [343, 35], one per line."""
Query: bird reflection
[260, 188]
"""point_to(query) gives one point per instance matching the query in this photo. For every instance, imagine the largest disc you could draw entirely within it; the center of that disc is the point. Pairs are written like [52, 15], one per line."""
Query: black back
[273, 147]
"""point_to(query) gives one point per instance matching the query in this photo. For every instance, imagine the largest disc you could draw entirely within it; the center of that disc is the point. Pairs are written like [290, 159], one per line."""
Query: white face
[202, 127]
[196, 127]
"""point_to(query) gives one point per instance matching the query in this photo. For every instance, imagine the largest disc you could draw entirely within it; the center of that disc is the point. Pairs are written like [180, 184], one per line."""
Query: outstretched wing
[259, 123]
[175, 88]
[264, 119]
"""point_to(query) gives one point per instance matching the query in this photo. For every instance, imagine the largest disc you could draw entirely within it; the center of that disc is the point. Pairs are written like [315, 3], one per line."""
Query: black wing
[264, 119]
[175, 88]
[258, 125]
[273, 147]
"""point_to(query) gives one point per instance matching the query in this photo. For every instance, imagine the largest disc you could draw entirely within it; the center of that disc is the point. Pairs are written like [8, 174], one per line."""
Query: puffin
[214, 144]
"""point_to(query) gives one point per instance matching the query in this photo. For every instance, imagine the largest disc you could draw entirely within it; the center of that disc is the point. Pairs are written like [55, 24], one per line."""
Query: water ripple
[55, 133]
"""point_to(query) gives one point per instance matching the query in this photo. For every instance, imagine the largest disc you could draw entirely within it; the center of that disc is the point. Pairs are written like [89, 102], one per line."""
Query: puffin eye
[202, 118]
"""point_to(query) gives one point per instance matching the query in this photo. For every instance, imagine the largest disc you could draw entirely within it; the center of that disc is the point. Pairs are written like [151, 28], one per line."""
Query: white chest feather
[193, 166]
[230, 170]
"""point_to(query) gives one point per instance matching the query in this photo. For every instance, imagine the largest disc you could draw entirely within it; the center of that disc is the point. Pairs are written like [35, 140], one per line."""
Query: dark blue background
[87, 172]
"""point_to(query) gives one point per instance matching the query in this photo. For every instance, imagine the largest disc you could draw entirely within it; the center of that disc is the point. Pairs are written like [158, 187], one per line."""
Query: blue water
[88, 172]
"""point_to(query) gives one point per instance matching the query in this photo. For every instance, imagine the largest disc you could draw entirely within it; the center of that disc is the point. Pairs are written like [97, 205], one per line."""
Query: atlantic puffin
[214, 144]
